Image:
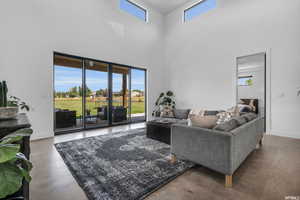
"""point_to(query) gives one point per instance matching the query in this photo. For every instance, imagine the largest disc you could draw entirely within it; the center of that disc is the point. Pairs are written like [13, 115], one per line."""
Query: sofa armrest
[209, 148]
[245, 140]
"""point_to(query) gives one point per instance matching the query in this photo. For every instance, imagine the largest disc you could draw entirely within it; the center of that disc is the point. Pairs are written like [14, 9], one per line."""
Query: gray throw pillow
[227, 126]
[240, 120]
[181, 113]
[249, 116]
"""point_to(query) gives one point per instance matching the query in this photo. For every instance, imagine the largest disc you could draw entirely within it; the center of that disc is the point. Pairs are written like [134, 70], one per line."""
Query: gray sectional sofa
[222, 151]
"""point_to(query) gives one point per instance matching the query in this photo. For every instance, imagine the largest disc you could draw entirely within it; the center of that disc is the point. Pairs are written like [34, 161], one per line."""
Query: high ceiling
[166, 6]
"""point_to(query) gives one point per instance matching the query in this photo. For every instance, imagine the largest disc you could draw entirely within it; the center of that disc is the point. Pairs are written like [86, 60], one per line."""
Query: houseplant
[165, 100]
[9, 106]
[14, 166]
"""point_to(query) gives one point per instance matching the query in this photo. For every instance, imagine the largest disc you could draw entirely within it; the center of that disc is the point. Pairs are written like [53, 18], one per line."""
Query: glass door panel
[96, 94]
[67, 97]
[138, 88]
[120, 111]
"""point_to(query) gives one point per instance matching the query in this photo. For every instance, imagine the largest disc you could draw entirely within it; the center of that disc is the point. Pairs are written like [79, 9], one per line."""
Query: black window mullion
[129, 98]
[110, 96]
[83, 94]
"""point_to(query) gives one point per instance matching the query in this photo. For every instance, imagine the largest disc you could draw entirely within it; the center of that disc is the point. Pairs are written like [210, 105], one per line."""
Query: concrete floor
[272, 172]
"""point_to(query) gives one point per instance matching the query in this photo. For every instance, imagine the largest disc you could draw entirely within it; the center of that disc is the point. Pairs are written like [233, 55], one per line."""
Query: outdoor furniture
[119, 113]
[65, 118]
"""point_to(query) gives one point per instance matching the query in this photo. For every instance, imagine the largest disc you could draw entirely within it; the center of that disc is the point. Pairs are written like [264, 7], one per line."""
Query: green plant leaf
[8, 152]
[11, 179]
[25, 174]
[16, 136]
[170, 93]
[22, 158]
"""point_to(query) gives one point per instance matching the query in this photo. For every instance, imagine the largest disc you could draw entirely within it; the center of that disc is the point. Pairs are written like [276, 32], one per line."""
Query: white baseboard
[289, 134]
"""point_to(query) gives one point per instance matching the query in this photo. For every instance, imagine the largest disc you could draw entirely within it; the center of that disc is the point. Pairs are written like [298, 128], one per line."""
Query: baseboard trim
[289, 134]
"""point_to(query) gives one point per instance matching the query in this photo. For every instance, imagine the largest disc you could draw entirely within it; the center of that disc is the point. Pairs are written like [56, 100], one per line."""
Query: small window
[134, 9]
[199, 8]
[245, 80]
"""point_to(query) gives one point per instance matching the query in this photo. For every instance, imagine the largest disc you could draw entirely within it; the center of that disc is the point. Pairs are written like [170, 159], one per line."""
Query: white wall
[201, 56]
[31, 30]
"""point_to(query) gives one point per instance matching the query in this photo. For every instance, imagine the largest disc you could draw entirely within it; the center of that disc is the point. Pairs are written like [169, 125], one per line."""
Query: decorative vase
[8, 113]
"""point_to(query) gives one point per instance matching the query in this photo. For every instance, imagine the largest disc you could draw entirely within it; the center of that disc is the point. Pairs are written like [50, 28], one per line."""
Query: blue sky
[200, 8]
[133, 9]
[67, 77]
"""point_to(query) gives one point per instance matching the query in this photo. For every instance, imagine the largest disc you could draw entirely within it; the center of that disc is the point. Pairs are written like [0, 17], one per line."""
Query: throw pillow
[181, 113]
[167, 113]
[245, 108]
[203, 121]
[196, 112]
[234, 111]
[224, 117]
[227, 126]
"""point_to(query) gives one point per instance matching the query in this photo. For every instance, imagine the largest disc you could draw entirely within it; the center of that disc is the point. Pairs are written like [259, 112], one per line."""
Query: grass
[75, 104]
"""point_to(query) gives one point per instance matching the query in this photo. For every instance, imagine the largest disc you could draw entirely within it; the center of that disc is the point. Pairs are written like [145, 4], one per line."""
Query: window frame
[139, 7]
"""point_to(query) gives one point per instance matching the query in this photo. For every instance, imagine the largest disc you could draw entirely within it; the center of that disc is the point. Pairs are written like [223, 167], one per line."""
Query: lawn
[92, 104]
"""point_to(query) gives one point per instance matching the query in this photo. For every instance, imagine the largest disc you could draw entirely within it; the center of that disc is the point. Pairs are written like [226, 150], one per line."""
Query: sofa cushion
[227, 126]
[240, 120]
[181, 113]
[204, 121]
[249, 116]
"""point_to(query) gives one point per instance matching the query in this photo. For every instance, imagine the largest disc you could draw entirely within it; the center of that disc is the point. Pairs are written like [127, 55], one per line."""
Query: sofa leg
[228, 181]
[173, 158]
[261, 142]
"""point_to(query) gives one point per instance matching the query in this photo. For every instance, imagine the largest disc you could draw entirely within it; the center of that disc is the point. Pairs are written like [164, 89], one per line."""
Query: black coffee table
[159, 130]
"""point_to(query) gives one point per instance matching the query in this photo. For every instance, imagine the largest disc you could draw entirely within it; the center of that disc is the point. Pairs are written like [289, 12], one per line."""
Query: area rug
[120, 166]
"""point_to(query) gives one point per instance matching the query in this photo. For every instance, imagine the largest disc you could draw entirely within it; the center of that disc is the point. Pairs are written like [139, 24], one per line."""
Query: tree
[88, 92]
[73, 92]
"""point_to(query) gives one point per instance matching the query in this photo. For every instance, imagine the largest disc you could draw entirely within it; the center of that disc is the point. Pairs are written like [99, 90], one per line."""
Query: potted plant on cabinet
[14, 166]
[9, 106]
[165, 100]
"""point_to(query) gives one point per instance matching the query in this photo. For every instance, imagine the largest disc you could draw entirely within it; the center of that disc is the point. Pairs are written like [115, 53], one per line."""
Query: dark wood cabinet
[9, 126]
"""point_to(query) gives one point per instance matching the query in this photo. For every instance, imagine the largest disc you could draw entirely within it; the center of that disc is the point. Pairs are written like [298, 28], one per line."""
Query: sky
[67, 77]
[133, 9]
[200, 8]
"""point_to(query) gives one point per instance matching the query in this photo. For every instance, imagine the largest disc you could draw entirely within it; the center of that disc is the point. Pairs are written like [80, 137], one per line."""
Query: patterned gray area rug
[120, 166]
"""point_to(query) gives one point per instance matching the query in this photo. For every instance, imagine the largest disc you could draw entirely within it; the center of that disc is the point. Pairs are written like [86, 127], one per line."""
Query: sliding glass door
[96, 94]
[91, 94]
[68, 102]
